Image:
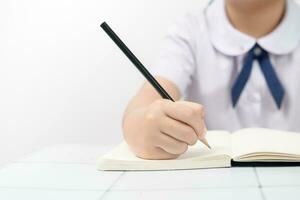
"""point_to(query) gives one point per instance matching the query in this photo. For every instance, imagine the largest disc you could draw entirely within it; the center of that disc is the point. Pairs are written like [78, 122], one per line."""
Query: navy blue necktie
[272, 80]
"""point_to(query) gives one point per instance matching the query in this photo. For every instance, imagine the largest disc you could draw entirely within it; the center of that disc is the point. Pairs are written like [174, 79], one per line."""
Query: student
[237, 65]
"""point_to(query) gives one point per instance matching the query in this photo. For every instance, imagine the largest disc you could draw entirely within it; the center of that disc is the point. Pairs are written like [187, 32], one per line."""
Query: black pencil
[135, 61]
[138, 65]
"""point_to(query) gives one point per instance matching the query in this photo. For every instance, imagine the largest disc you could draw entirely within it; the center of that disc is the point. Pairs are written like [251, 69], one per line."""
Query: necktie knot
[274, 84]
[258, 52]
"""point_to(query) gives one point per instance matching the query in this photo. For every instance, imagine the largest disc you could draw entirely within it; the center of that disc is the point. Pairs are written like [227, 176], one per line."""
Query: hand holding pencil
[165, 128]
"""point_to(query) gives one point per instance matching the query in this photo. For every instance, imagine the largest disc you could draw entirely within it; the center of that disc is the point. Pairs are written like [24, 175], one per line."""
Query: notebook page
[264, 141]
[123, 159]
[219, 141]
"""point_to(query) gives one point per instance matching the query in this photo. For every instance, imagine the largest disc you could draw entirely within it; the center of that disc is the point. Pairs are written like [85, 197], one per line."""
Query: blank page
[123, 157]
[259, 140]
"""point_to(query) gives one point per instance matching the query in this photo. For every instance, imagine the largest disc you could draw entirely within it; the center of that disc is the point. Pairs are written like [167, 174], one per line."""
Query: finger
[163, 155]
[171, 145]
[202, 132]
[196, 106]
[187, 112]
[178, 130]
[155, 153]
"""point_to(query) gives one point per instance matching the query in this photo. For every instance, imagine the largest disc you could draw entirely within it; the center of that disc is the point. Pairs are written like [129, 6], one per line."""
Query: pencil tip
[206, 143]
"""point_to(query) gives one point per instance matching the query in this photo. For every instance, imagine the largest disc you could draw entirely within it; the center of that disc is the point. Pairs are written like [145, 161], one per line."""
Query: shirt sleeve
[176, 61]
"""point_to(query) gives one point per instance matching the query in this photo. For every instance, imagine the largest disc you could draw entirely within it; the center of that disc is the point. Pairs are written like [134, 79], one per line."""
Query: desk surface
[69, 172]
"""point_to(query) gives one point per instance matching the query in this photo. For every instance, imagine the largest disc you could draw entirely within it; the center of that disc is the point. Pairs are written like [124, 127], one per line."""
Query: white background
[62, 80]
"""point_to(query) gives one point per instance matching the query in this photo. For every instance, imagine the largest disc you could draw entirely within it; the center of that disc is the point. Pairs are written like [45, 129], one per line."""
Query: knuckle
[199, 108]
[203, 111]
[170, 126]
[150, 117]
[189, 113]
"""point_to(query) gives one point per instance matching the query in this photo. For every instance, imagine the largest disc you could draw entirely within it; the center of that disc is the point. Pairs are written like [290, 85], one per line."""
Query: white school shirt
[203, 54]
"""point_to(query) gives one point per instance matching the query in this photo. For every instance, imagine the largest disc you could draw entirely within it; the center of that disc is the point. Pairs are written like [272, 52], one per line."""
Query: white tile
[205, 194]
[279, 193]
[68, 153]
[60, 176]
[279, 176]
[204, 178]
[30, 194]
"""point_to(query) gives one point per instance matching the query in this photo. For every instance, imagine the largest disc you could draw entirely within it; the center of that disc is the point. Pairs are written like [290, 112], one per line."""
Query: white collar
[228, 40]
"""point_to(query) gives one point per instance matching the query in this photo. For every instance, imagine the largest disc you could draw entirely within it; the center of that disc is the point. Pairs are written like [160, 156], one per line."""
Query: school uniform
[241, 81]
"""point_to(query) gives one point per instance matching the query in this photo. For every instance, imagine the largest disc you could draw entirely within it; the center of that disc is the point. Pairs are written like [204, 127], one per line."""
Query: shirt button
[254, 97]
[257, 51]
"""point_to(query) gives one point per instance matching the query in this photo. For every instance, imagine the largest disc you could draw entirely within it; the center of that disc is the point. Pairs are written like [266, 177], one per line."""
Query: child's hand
[164, 129]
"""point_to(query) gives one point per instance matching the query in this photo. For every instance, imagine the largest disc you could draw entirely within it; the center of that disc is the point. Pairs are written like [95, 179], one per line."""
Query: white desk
[69, 172]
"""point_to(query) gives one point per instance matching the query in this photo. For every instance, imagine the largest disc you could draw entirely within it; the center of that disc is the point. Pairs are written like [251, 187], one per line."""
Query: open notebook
[246, 145]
